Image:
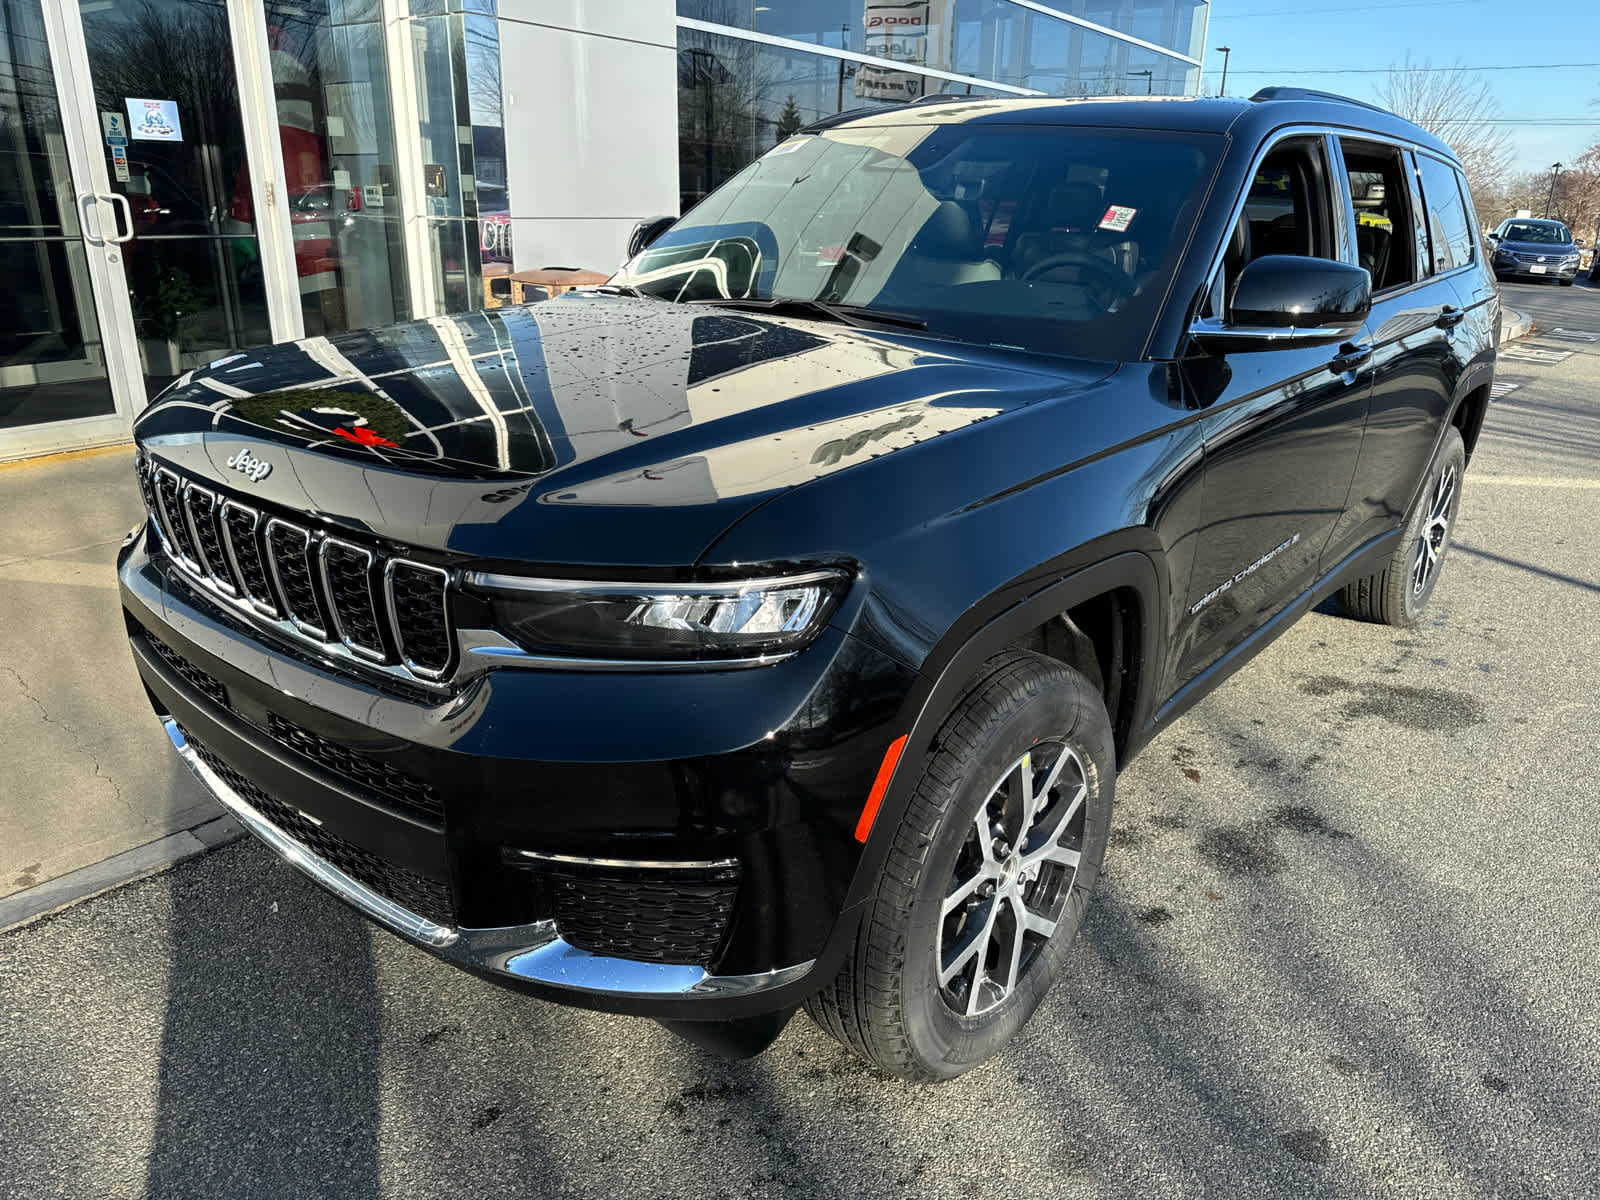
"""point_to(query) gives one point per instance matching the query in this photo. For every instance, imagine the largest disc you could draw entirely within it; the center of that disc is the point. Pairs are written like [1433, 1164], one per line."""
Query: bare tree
[1457, 106]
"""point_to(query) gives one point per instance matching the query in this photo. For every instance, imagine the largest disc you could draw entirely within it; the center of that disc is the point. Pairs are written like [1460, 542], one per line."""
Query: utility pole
[1225, 51]
[1555, 169]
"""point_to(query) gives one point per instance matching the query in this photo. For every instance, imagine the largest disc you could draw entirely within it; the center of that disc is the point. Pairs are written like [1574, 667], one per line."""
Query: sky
[1272, 38]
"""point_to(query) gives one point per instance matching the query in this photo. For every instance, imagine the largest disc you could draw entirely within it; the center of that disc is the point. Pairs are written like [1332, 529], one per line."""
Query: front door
[1283, 428]
[127, 230]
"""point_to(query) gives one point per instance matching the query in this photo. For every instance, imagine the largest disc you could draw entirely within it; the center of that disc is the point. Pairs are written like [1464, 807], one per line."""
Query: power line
[1302, 12]
[1406, 70]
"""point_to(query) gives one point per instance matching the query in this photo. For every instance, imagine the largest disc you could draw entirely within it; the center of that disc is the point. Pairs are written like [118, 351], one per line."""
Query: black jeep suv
[767, 627]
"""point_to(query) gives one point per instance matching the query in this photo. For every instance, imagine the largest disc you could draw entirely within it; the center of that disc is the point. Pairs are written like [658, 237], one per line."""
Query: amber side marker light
[880, 785]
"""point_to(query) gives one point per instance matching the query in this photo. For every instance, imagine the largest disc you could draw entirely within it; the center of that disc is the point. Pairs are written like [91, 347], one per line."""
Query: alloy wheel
[1435, 531]
[1012, 878]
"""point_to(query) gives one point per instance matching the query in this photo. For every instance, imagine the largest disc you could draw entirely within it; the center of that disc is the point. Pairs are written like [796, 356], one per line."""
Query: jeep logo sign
[256, 469]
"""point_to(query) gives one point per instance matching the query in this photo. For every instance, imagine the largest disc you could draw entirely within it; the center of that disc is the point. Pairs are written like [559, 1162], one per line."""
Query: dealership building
[183, 179]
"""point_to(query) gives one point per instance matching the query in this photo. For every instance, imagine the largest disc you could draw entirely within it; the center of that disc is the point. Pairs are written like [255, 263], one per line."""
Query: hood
[1553, 249]
[588, 429]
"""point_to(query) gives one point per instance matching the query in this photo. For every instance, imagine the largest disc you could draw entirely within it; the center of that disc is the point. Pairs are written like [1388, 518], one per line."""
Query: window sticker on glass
[154, 120]
[788, 146]
[1118, 217]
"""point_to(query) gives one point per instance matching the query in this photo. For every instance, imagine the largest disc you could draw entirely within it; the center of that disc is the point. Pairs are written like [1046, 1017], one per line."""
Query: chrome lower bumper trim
[533, 952]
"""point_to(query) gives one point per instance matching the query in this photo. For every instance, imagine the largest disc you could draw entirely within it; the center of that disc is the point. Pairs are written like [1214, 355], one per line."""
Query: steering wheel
[1106, 275]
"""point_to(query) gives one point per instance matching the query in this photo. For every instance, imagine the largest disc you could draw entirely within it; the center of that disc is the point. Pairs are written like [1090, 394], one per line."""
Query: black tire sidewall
[1452, 451]
[945, 1043]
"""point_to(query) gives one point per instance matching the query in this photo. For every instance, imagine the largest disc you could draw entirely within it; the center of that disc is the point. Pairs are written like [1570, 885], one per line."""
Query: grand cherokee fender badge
[1244, 574]
[247, 464]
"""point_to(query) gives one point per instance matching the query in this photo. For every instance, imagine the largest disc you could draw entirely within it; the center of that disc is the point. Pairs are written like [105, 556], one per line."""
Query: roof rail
[1299, 93]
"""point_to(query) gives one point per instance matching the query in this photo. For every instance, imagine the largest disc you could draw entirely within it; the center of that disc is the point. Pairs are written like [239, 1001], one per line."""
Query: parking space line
[1520, 353]
[1572, 335]
[1502, 389]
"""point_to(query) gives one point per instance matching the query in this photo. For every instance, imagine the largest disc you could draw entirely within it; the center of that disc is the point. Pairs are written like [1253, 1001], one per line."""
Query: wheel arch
[996, 625]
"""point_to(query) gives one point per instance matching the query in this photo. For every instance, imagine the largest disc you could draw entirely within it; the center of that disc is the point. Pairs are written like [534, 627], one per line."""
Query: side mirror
[647, 231]
[1494, 237]
[1284, 299]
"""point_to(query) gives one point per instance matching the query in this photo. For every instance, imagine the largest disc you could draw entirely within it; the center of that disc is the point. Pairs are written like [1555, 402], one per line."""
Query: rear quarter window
[1449, 228]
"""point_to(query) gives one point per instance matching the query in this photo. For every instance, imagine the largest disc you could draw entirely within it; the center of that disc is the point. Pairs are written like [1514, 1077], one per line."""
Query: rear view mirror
[646, 232]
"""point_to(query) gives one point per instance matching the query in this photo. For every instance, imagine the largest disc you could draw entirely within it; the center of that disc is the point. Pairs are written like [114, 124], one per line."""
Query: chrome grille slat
[240, 526]
[347, 582]
[358, 604]
[288, 560]
[169, 511]
[421, 628]
[200, 506]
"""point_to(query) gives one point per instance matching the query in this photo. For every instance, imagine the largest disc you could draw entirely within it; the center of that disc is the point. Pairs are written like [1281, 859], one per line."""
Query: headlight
[669, 622]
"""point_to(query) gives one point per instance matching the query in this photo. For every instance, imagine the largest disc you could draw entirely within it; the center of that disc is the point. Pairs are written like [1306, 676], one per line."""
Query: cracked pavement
[87, 770]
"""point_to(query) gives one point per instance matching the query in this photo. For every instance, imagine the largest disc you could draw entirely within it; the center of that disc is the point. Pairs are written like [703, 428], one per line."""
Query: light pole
[1224, 51]
[1149, 81]
[1555, 169]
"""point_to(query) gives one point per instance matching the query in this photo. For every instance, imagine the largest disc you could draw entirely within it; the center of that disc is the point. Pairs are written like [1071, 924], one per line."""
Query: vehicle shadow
[267, 1074]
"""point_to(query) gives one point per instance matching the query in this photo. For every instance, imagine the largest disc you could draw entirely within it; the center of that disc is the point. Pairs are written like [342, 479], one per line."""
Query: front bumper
[534, 953]
[1519, 270]
[770, 769]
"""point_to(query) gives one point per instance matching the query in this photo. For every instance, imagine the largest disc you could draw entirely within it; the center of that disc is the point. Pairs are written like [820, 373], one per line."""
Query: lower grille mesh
[373, 776]
[666, 915]
[201, 681]
[423, 896]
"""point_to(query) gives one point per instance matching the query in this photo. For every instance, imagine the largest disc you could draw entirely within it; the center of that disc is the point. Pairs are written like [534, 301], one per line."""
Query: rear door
[1420, 326]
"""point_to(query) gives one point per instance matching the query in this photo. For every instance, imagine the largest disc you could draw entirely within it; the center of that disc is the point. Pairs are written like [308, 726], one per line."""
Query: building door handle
[1350, 358]
[85, 202]
[1450, 316]
[118, 200]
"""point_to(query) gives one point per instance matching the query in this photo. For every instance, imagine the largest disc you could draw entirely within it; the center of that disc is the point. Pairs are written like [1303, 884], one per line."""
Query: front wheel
[1397, 594]
[988, 877]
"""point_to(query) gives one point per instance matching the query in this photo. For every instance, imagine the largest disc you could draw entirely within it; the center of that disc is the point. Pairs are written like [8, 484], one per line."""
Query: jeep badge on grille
[246, 464]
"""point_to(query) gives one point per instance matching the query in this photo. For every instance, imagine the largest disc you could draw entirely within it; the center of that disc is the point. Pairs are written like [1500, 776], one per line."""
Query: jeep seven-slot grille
[649, 914]
[423, 896]
[387, 611]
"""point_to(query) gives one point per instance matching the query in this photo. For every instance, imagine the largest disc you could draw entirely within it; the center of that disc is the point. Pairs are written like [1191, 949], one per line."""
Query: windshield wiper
[620, 289]
[859, 315]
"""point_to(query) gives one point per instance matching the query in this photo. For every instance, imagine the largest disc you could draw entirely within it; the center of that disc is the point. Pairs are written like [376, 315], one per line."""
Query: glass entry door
[128, 239]
[163, 73]
[54, 365]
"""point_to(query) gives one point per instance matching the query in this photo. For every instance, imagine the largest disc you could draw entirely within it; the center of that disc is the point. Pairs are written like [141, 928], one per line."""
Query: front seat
[945, 252]
[1073, 211]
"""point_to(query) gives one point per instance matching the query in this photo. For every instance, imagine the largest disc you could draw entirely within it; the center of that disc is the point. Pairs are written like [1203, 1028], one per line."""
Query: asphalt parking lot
[1345, 946]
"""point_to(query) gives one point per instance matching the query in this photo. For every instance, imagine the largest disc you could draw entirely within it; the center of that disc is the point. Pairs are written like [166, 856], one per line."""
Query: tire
[888, 1003]
[1397, 594]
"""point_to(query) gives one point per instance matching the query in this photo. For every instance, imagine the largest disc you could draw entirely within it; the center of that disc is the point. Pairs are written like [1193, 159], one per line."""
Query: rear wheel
[1397, 594]
[988, 877]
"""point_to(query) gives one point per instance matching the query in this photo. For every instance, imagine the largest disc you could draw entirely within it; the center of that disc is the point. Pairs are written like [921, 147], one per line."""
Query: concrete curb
[1514, 325]
[52, 896]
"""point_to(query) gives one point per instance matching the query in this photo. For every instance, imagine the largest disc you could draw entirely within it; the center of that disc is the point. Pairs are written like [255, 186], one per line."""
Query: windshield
[1545, 235]
[1061, 239]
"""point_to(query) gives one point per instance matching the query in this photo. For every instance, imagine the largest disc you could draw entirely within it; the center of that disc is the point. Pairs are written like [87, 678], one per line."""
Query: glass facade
[768, 68]
[337, 136]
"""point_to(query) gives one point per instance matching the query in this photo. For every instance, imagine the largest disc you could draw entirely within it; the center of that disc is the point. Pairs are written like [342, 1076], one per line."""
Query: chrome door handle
[116, 198]
[96, 238]
[1350, 358]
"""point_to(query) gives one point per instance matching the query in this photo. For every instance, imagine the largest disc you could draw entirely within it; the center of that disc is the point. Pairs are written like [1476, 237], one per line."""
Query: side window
[1449, 228]
[1286, 211]
[1387, 239]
